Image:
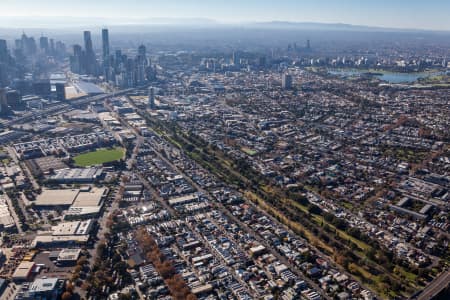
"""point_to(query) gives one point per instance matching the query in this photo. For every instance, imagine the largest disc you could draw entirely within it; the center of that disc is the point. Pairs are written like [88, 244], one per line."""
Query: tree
[66, 296]
[77, 269]
[126, 296]
[101, 248]
[314, 209]
[81, 261]
[120, 267]
[69, 287]
[86, 286]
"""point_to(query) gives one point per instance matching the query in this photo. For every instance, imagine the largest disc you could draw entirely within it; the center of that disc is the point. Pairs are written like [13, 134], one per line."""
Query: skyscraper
[90, 60]
[52, 46]
[105, 45]
[3, 75]
[151, 98]
[286, 81]
[105, 54]
[88, 42]
[28, 45]
[59, 49]
[141, 65]
[43, 44]
[13, 98]
[60, 91]
[4, 58]
[130, 74]
[76, 61]
[2, 100]
[236, 58]
[142, 51]
[3, 51]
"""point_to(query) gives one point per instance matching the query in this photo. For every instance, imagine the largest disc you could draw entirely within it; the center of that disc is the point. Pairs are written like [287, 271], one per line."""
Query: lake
[391, 77]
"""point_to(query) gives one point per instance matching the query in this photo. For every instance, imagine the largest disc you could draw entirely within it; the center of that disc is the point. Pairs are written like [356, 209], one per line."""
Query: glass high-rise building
[105, 44]
[90, 60]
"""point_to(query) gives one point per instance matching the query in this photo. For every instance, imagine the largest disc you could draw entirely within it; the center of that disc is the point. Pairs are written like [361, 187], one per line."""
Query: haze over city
[411, 14]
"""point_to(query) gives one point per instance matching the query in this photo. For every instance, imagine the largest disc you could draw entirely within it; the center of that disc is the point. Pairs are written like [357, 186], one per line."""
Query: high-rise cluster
[84, 61]
[117, 68]
[17, 63]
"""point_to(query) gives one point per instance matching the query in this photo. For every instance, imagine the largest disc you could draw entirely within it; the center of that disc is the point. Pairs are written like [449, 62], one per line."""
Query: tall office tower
[60, 49]
[2, 100]
[88, 42]
[140, 73]
[308, 44]
[24, 43]
[118, 56]
[43, 44]
[52, 46]
[105, 54]
[142, 51]
[262, 61]
[76, 60]
[151, 98]
[286, 81]
[3, 51]
[77, 50]
[4, 61]
[236, 58]
[90, 60]
[141, 65]
[32, 47]
[60, 91]
[28, 45]
[105, 44]
[18, 44]
[150, 73]
[130, 75]
[3, 75]
[117, 61]
[13, 98]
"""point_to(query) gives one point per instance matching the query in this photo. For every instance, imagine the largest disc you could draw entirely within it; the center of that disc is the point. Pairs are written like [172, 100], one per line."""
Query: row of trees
[14, 195]
[175, 283]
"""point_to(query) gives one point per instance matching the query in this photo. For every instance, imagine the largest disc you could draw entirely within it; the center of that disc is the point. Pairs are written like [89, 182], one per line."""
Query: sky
[414, 14]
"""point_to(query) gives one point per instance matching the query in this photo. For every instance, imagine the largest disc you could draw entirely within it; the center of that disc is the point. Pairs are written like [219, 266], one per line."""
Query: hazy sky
[429, 14]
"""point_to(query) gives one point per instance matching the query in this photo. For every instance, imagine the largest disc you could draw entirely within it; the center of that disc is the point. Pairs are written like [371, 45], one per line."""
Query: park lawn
[249, 151]
[99, 156]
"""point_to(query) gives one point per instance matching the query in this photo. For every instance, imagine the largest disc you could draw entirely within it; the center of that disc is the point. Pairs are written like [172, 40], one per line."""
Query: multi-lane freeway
[61, 107]
[435, 287]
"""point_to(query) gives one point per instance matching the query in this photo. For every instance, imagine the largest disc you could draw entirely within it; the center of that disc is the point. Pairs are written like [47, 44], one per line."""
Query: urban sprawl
[295, 173]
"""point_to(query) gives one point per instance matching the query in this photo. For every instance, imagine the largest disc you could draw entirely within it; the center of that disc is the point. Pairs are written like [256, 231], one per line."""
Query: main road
[435, 287]
[63, 106]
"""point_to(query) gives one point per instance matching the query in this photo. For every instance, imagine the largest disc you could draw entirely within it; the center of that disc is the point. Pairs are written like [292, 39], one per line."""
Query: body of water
[392, 77]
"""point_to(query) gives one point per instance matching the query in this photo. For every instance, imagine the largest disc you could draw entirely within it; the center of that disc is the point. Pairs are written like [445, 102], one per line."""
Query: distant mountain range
[71, 22]
[324, 26]
[63, 22]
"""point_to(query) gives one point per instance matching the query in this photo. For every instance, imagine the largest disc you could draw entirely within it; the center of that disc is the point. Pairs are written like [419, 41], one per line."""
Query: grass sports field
[99, 156]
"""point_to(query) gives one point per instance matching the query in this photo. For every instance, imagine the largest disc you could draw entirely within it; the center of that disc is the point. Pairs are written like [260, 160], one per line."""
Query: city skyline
[393, 14]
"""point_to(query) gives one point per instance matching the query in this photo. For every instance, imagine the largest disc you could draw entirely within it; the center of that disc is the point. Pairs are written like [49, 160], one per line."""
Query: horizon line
[130, 21]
